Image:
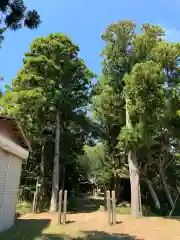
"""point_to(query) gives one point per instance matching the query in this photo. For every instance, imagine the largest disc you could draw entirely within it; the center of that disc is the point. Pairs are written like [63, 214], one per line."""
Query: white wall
[10, 170]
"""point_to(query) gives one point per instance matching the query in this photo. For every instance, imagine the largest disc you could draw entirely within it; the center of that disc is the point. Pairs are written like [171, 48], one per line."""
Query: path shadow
[55, 237]
[69, 222]
[84, 204]
[92, 235]
[27, 229]
[119, 222]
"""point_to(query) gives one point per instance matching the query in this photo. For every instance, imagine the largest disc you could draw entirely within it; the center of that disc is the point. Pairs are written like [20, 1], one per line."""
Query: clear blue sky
[84, 21]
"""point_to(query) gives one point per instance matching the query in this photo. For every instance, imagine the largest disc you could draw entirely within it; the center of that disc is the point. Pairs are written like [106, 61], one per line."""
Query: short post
[65, 206]
[105, 200]
[109, 207]
[34, 203]
[60, 206]
[113, 207]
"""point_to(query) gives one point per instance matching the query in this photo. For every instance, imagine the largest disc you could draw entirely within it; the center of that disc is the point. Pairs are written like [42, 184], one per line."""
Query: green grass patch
[123, 210]
[23, 207]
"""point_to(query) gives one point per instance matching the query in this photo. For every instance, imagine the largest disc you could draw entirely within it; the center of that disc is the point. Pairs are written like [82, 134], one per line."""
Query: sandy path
[95, 224]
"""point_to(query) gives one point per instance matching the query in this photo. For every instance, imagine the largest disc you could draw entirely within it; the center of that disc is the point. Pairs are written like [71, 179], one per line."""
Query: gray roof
[18, 130]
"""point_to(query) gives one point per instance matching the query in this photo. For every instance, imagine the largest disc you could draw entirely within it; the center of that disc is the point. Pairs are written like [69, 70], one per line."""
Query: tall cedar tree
[142, 70]
[51, 90]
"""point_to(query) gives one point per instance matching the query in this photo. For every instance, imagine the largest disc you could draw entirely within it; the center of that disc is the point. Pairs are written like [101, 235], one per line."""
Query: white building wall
[10, 170]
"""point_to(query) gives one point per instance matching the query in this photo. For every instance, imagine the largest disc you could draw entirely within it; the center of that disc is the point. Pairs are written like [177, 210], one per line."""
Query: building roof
[17, 130]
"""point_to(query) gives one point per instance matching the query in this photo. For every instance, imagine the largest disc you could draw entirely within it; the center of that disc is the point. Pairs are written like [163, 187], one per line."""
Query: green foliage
[145, 94]
[129, 138]
[96, 164]
[134, 104]
[141, 78]
[53, 78]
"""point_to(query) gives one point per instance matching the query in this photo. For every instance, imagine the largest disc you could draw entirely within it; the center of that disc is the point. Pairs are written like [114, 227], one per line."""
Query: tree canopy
[133, 99]
[124, 127]
[53, 81]
[14, 15]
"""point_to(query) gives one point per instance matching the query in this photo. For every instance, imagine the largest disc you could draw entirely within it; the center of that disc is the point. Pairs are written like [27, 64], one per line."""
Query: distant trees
[96, 164]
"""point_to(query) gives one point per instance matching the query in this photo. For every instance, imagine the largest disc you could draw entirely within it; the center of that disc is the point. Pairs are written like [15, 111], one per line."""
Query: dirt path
[86, 222]
[94, 226]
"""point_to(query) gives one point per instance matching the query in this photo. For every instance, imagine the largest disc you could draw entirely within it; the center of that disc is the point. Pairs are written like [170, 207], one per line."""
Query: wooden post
[65, 206]
[60, 207]
[113, 208]
[97, 191]
[34, 203]
[109, 207]
[105, 200]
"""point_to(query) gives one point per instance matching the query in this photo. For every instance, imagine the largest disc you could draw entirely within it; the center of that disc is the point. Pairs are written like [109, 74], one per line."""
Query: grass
[123, 210]
[76, 205]
[23, 207]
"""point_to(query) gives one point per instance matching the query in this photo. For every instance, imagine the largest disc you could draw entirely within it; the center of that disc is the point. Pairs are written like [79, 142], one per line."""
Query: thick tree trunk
[175, 203]
[42, 174]
[140, 203]
[55, 177]
[153, 194]
[136, 209]
[165, 187]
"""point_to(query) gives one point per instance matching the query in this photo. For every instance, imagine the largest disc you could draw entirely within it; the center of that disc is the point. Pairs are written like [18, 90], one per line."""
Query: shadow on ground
[25, 229]
[32, 230]
[93, 235]
[84, 204]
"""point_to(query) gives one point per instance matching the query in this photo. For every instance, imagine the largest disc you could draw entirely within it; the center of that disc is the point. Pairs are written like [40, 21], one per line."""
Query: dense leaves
[15, 14]
[132, 129]
[138, 97]
[53, 79]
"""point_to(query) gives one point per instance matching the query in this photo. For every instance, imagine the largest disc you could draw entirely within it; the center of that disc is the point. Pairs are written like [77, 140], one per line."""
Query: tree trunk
[55, 177]
[63, 177]
[165, 187]
[153, 194]
[136, 209]
[118, 190]
[175, 203]
[42, 174]
[97, 191]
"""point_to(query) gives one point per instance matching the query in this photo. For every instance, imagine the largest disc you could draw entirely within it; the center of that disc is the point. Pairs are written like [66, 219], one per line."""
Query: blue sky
[84, 21]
